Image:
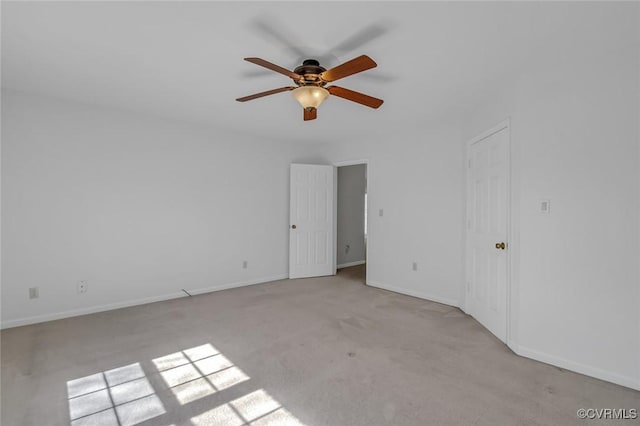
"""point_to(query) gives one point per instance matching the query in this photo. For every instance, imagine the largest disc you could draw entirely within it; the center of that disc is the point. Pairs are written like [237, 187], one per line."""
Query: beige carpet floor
[322, 351]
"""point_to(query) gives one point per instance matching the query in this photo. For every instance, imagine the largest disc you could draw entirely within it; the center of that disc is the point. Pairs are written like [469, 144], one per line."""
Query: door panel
[487, 184]
[311, 242]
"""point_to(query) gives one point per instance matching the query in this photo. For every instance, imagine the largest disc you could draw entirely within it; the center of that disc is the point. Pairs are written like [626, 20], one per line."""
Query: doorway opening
[351, 220]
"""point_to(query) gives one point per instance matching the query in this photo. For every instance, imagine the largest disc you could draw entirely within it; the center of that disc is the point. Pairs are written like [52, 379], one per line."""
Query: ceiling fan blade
[273, 29]
[350, 95]
[267, 93]
[273, 67]
[310, 114]
[354, 66]
[361, 37]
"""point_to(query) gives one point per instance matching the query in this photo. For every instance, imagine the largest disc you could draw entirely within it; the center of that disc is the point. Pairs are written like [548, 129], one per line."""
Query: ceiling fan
[310, 80]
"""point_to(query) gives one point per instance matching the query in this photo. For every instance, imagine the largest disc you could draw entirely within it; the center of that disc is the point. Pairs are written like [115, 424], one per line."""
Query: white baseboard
[523, 351]
[128, 303]
[346, 265]
[238, 284]
[418, 294]
[90, 310]
[577, 367]
[518, 349]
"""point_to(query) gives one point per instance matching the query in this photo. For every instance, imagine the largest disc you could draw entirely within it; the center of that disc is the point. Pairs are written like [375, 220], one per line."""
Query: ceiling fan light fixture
[310, 96]
[310, 78]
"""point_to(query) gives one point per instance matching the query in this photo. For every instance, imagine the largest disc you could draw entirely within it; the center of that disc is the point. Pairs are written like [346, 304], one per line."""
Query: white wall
[352, 185]
[137, 206]
[576, 283]
[416, 177]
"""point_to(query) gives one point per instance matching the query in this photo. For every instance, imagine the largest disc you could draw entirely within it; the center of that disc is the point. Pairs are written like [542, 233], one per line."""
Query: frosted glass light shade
[310, 96]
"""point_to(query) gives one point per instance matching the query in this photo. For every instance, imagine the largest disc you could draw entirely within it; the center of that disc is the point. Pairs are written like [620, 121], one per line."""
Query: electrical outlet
[245, 264]
[415, 266]
[347, 248]
[381, 212]
[545, 206]
[82, 286]
[34, 293]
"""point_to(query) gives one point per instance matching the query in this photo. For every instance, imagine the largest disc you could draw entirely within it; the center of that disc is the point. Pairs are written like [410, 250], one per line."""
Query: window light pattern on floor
[256, 409]
[122, 396]
[125, 397]
[197, 372]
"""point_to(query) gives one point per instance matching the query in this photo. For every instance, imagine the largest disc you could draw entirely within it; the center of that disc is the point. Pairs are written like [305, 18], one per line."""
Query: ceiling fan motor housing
[310, 70]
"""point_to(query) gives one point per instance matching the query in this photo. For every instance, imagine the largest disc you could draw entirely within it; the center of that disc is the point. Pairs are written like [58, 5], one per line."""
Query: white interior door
[312, 221]
[487, 209]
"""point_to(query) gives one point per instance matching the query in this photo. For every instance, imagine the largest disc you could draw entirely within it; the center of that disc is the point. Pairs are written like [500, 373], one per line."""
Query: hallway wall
[352, 185]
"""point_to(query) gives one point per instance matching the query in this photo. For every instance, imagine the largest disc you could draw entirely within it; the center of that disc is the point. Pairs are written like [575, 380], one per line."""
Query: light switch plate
[34, 293]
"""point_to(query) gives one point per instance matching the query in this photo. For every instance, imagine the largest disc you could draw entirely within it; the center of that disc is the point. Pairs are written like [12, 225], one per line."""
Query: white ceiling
[183, 60]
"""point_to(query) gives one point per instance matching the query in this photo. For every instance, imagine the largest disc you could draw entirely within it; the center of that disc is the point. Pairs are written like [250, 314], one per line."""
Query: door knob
[293, 227]
[501, 246]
